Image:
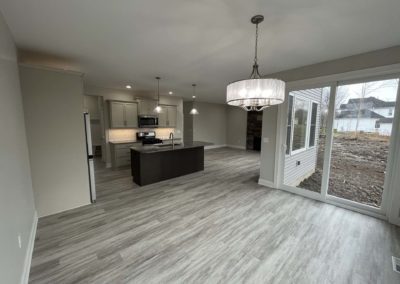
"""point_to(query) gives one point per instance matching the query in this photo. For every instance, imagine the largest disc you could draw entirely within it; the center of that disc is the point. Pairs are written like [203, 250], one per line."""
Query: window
[377, 124]
[289, 125]
[390, 112]
[313, 124]
[300, 124]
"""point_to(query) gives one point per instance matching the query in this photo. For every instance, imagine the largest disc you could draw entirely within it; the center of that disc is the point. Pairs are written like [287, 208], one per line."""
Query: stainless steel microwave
[148, 121]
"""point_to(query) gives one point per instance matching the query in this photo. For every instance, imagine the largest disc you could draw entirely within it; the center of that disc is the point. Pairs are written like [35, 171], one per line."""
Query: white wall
[17, 210]
[53, 104]
[210, 124]
[384, 111]
[236, 125]
[349, 124]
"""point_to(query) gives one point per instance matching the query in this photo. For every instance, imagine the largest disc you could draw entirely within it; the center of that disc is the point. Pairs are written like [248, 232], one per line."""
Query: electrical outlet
[19, 241]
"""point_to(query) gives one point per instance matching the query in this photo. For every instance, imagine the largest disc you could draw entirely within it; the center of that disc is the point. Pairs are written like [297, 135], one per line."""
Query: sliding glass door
[336, 142]
[362, 128]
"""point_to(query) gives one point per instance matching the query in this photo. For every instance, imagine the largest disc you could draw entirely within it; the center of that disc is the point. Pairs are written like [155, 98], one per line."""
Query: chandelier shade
[255, 94]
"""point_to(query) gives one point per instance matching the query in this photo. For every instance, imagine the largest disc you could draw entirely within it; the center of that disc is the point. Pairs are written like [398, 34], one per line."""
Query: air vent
[396, 264]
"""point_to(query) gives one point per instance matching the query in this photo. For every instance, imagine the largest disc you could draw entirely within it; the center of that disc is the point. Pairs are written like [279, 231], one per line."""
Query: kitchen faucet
[171, 136]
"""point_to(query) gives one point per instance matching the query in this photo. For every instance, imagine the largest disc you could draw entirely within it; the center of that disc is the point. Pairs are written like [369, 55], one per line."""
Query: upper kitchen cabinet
[146, 107]
[167, 117]
[123, 114]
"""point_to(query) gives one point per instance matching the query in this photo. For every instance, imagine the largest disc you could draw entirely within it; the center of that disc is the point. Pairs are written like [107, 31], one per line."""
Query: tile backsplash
[130, 134]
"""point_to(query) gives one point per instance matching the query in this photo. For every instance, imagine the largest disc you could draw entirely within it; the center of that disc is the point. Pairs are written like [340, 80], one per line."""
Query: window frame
[308, 127]
[316, 123]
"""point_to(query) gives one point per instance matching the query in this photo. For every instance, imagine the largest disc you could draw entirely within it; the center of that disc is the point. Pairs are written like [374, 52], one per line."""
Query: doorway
[254, 129]
[337, 139]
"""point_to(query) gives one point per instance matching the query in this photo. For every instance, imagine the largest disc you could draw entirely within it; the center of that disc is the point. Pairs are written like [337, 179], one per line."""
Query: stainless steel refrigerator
[89, 150]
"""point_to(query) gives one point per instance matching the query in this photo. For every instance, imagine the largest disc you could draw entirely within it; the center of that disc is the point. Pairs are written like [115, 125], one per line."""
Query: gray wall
[210, 124]
[236, 125]
[217, 124]
[372, 59]
[188, 122]
[16, 197]
[267, 167]
[53, 103]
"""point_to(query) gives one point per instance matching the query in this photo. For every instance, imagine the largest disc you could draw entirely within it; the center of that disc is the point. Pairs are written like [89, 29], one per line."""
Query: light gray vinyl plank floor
[216, 226]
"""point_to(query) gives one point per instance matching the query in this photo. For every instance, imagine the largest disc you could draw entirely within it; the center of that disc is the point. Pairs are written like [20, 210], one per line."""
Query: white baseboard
[236, 147]
[29, 250]
[214, 146]
[265, 182]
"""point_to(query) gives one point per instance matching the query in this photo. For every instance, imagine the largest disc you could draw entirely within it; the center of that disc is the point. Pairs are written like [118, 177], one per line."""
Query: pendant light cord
[158, 90]
[255, 49]
[255, 74]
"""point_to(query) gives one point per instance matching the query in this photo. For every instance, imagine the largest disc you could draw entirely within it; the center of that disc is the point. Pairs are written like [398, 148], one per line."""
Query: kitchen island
[152, 164]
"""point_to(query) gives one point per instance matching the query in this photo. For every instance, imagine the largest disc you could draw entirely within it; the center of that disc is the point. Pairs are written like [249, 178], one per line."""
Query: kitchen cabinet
[167, 117]
[146, 107]
[120, 153]
[123, 114]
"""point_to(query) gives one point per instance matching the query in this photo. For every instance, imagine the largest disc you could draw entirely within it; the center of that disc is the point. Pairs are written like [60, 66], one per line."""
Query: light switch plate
[266, 140]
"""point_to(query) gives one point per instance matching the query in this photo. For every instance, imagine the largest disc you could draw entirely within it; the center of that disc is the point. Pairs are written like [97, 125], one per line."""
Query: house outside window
[390, 113]
[301, 124]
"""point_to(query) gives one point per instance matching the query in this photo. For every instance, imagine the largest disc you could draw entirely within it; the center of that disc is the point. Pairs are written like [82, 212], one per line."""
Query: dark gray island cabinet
[152, 164]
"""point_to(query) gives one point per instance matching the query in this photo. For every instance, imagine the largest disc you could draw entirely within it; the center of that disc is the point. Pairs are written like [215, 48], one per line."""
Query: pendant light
[194, 110]
[255, 93]
[158, 108]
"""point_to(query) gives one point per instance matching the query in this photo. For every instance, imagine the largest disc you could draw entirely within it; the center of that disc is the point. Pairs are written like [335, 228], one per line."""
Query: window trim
[316, 123]
[307, 101]
[308, 129]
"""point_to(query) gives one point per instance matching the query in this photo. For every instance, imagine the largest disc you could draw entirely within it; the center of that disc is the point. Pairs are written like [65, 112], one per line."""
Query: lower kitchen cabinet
[121, 154]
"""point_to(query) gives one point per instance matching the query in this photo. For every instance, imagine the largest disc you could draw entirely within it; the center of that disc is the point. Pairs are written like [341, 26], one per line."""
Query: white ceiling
[209, 42]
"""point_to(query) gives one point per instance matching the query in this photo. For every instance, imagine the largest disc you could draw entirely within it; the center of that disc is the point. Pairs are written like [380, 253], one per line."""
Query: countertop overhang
[145, 149]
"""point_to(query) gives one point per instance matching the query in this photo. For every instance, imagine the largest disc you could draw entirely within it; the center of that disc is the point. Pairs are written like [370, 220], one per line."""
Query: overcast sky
[386, 93]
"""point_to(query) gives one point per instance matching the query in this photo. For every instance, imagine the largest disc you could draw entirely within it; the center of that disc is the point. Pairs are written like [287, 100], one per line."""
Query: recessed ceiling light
[128, 86]
[193, 97]
[170, 92]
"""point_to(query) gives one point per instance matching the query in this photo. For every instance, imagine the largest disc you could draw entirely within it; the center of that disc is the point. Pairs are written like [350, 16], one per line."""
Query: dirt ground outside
[357, 167]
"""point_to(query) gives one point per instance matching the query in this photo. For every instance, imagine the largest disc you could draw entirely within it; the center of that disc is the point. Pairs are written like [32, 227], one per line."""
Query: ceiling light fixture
[158, 108]
[194, 110]
[170, 92]
[128, 86]
[255, 93]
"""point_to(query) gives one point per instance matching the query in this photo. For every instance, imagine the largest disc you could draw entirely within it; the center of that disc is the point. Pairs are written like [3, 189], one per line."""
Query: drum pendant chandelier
[256, 93]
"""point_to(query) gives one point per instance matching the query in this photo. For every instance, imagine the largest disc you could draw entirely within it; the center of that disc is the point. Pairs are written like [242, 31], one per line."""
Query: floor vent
[396, 264]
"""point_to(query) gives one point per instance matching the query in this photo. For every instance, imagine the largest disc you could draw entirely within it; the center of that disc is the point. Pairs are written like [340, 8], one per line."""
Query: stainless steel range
[148, 138]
